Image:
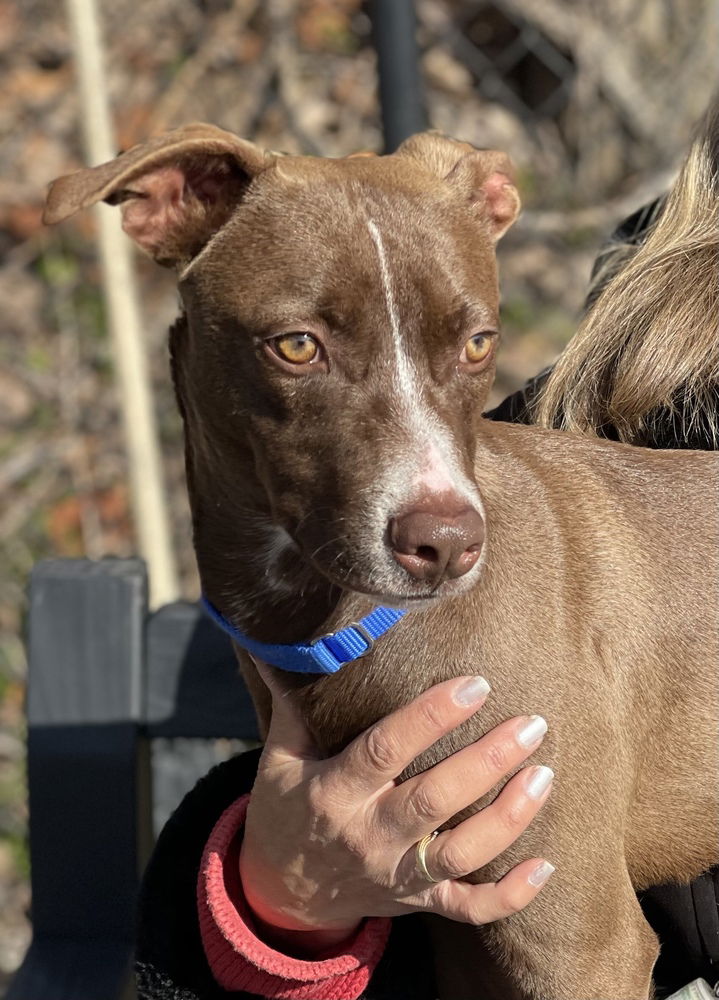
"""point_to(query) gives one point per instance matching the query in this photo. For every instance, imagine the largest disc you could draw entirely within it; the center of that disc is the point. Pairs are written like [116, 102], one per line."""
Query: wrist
[289, 933]
[303, 943]
[240, 960]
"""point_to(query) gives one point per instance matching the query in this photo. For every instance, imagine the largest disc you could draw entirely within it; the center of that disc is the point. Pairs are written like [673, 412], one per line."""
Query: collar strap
[324, 655]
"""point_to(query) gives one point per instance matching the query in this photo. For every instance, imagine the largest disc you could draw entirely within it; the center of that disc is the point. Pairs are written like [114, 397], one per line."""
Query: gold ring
[420, 852]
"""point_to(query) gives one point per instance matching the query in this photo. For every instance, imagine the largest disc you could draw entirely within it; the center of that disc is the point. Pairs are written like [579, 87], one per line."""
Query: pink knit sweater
[239, 960]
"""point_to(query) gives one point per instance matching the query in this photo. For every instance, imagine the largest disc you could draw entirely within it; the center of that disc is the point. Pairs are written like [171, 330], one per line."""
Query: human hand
[328, 842]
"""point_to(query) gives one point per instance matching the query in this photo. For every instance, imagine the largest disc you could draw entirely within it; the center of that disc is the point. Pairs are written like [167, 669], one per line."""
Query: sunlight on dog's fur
[595, 600]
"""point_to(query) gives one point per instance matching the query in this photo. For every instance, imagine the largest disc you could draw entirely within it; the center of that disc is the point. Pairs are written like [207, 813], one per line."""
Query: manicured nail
[540, 874]
[539, 781]
[471, 692]
[532, 731]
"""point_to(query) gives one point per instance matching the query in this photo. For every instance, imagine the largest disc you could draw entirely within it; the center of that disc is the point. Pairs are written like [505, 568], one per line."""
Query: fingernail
[541, 873]
[471, 692]
[539, 782]
[532, 731]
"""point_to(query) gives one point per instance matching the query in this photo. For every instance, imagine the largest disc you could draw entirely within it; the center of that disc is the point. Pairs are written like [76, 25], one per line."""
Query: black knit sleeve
[171, 963]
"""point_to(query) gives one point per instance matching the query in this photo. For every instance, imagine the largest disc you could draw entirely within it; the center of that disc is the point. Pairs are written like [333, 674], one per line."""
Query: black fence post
[394, 28]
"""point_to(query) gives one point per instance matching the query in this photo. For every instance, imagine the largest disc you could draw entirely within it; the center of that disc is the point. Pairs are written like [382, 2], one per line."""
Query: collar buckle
[357, 627]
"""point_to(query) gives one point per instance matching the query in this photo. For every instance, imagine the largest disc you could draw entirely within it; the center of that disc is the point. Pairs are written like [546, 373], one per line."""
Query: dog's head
[337, 346]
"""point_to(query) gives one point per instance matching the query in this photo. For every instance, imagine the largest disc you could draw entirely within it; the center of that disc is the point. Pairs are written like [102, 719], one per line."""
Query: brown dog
[331, 364]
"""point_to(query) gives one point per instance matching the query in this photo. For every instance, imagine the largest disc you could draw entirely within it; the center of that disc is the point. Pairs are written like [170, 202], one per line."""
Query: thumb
[288, 738]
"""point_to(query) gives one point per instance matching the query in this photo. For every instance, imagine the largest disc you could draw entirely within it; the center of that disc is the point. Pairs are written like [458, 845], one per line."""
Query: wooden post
[143, 452]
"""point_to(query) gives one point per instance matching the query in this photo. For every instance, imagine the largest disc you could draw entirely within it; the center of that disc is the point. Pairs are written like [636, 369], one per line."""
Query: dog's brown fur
[597, 603]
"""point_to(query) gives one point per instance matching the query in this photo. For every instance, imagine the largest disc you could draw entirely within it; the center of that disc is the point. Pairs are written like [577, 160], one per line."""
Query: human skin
[344, 832]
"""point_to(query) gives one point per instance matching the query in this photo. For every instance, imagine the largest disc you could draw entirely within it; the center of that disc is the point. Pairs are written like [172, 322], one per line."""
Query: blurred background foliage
[595, 102]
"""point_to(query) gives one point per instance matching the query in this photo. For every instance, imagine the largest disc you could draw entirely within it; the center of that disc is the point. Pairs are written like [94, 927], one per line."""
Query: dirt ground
[595, 103]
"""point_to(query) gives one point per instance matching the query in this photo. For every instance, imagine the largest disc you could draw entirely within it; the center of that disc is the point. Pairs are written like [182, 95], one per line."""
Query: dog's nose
[432, 544]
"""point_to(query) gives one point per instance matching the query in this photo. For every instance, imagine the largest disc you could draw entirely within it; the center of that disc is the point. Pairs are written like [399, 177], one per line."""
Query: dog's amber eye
[297, 348]
[477, 348]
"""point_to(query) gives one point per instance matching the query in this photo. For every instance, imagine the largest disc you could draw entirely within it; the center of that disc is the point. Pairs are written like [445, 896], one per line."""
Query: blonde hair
[650, 341]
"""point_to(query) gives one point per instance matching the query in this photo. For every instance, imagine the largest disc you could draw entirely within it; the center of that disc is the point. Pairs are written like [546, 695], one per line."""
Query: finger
[288, 738]
[382, 752]
[423, 803]
[481, 904]
[484, 836]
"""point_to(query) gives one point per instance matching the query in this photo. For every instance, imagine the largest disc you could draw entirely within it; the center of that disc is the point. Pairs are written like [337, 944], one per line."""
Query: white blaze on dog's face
[337, 349]
[429, 476]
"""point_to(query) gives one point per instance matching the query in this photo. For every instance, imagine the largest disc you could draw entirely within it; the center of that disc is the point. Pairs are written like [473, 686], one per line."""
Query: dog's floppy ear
[485, 176]
[176, 190]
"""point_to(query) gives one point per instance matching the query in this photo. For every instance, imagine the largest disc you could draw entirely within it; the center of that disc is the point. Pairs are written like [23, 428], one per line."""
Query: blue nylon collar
[324, 655]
